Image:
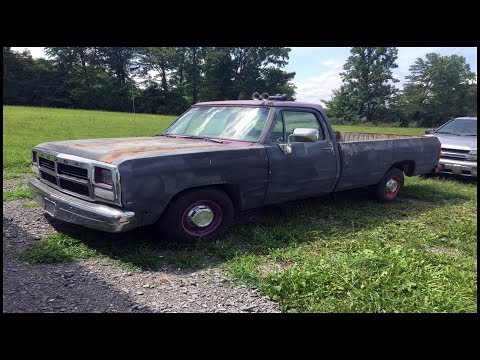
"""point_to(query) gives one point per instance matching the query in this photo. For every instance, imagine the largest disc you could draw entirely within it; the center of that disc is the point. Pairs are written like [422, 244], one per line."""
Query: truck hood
[117, 150]
[457, 142]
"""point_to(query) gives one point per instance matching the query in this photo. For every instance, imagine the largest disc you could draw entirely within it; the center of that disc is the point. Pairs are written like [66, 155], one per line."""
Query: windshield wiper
[217, 141]
[167, 135]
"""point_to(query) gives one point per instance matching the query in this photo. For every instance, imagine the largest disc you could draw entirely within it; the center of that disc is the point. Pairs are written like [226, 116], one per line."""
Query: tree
[252, 65]
[367, 91]
[439, 88]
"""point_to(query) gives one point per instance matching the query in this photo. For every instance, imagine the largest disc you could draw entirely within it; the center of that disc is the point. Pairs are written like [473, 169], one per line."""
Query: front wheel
[390, 185]
[197, 214]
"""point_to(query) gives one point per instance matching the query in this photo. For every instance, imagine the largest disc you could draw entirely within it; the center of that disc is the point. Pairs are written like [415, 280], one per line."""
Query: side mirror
[429, 131]
[299, 135]
[305, 135]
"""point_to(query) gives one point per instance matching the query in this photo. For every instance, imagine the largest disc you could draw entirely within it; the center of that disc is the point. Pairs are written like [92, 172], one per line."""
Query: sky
[317, 68]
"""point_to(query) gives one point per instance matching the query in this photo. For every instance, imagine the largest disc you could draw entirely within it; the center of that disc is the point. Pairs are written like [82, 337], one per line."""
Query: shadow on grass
[261, 231]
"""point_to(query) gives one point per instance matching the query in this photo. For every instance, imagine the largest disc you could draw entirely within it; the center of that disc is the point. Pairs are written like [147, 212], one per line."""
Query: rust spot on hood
[118, 154]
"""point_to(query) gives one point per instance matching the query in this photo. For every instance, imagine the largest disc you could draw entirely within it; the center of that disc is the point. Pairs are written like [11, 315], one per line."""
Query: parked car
[218, 158]
[459, 146]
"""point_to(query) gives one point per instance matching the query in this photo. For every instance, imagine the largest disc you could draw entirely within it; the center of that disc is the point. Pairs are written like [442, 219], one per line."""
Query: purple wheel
[202, 218]
[197, 214]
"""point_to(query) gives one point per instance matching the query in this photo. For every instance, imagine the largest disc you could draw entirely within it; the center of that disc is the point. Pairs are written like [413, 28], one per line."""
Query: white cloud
[316, 88]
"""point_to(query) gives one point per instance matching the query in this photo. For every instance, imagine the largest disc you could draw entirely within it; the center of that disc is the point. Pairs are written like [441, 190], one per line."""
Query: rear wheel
[197, 214]
[390, 185]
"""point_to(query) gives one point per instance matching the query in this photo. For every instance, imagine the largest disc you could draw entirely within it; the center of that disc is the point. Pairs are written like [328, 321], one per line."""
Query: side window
[277, 133]
[301, 119]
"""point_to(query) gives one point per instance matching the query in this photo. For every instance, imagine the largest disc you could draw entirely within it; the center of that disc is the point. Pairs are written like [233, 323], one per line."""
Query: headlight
[103, 177]
[472, 155]
[34, 157]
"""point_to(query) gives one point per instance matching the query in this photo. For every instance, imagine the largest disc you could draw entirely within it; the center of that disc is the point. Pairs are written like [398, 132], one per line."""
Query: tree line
[157, 80]
[167, 80]
[437, 89]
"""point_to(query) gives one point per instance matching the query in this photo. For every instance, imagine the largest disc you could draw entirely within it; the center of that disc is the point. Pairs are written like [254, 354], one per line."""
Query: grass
[17, 194]
[25, 127]
[383, 130]
[338, 253]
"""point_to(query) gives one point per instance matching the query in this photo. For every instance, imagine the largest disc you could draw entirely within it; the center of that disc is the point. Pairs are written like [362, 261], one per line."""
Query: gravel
[102, 286]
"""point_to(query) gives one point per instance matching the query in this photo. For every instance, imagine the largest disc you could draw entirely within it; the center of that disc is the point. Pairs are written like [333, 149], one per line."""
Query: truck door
[310, 168]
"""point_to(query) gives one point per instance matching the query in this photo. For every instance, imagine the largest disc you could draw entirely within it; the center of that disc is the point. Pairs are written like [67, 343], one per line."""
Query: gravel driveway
[103, 286]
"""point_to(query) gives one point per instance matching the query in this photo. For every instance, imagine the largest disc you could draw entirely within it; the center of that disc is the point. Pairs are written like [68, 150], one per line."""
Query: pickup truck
[218, 158]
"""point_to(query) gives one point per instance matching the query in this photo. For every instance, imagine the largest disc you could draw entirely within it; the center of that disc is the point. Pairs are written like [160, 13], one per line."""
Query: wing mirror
[429, 131]
[299, 135]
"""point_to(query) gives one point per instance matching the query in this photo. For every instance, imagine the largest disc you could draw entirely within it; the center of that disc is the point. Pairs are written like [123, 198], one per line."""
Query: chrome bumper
[74, 210]
[458, 167]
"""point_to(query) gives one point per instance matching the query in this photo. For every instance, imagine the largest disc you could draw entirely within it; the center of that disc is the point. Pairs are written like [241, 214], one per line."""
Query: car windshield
[223, 122]
[461, 127]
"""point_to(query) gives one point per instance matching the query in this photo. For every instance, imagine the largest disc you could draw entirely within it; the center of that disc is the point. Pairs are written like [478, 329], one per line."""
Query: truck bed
[347, 136]
[366, 157]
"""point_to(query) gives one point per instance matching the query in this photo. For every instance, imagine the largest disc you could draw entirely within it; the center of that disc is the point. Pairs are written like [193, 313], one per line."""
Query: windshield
[460, 127]
[224, 122]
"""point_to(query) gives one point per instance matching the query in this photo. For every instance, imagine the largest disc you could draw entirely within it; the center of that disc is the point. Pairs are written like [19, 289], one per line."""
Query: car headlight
[103, 177]
[472, 155]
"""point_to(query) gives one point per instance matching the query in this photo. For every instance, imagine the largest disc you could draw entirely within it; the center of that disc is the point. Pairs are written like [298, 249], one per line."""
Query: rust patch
[117, 154]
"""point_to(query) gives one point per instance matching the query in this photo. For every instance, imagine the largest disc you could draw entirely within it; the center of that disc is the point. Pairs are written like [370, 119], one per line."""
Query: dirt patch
[273, 266]
[420, 202]
[103, 286]
[443, 250]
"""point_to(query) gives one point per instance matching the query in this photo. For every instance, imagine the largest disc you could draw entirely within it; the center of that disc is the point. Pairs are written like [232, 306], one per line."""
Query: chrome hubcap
[392, 185]
[200, 216]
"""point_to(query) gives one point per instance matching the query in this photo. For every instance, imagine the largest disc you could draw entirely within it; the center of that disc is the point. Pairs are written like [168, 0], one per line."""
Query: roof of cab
[261, 103]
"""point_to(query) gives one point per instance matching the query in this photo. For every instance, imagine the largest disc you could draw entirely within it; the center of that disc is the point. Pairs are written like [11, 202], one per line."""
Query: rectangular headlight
[103, 177]
[34, 157]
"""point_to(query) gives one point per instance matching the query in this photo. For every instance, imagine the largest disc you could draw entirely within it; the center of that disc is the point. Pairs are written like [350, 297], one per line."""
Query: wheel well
[232, 191]
[407, 166]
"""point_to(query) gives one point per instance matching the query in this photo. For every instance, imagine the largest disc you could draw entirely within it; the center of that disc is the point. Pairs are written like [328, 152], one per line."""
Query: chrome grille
[454, 154]
[73, 179]
[72, 171]
[74, 175]
[49, 164]
[74, 187]
[49, 177]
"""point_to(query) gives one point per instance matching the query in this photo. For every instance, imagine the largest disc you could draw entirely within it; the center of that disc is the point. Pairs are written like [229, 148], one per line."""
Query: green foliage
[439, 88]
[366, 93]
[170, 79]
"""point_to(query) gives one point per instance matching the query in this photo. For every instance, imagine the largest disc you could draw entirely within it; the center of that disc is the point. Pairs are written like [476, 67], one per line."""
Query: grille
[454, 154]
[72, 171]
[456, 151]
[74, 187]
[49, 177]
[49, 164]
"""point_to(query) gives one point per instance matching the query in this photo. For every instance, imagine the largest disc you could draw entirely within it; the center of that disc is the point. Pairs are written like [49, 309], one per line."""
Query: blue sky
[317, 68]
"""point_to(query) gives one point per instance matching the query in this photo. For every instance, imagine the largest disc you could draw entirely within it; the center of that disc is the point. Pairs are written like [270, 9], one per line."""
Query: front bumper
[458, 167]
[74, 210]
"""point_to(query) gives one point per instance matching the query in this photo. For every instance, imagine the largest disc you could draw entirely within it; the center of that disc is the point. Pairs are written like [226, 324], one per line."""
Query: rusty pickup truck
[215, 159]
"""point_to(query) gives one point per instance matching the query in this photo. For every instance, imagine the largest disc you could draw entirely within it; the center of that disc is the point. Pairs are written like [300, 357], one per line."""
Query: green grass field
[339, 253]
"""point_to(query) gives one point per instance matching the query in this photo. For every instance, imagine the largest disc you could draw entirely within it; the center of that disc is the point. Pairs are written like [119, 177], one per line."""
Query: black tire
[177, 222]
[393, 179]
